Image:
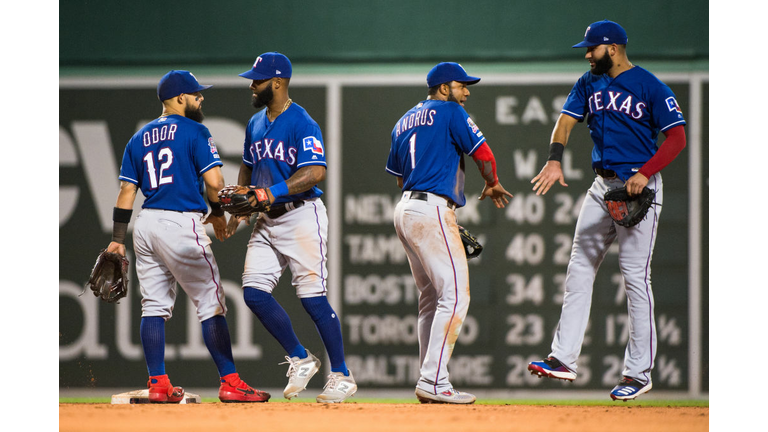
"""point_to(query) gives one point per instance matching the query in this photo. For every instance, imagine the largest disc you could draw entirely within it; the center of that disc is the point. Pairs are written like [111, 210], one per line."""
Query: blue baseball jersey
[428, 147]
[276, 150]
[166, 159]
[625, 115]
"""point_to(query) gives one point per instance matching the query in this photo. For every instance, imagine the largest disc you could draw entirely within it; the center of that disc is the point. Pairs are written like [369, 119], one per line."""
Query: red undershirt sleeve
[670, 148]
[486, 163]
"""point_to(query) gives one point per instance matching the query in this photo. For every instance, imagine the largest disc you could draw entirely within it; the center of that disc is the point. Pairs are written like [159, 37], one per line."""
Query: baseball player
[625, 107]
[173, 160]
[284, 153]
[427, 157]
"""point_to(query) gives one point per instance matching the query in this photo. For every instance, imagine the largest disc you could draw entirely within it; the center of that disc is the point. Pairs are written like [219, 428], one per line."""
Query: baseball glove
[626, 210]
[471, 246]
[109, 277]
[243, 200]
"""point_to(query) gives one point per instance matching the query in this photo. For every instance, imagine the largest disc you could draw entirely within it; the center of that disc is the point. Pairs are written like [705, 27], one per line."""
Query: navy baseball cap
[269, 65]
[448, 71]
[603, 32]
[177, 82]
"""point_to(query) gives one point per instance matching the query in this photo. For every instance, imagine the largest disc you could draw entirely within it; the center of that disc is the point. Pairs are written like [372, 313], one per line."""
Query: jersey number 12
[154, 179]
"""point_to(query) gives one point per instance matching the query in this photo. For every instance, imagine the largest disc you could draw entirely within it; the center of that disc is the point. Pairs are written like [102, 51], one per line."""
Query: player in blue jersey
[625, 107]
[284, 154]
[174, 161]
[427, 157]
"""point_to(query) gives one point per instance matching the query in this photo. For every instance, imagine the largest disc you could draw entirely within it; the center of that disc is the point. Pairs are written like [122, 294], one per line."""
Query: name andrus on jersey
[419, 118]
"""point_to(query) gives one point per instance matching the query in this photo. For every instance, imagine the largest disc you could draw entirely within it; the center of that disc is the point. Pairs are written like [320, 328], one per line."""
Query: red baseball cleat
[162, 391]
[233, 389]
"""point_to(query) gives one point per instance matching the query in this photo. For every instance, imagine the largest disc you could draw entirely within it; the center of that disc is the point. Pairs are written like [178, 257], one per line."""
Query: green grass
[564, 402]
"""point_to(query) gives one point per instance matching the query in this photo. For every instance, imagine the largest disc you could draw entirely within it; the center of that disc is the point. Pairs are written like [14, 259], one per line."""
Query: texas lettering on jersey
[616, 101]
[268, 149]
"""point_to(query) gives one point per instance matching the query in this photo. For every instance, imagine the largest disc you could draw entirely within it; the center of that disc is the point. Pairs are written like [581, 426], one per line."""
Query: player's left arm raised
[486, 163]
[667, 152]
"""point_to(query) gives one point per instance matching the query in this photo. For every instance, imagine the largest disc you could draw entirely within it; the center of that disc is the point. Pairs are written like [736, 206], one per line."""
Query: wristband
[556, 151]
[120, 219]
[122, 215]
[279, 190]
[216, 209]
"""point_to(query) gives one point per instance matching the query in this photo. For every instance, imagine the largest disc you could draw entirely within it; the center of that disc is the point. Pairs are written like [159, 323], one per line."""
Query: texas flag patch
[313, 144]
[672, 105]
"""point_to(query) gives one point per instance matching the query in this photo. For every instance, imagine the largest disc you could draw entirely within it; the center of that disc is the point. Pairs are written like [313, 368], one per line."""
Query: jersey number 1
[412, 147]
[154, 179]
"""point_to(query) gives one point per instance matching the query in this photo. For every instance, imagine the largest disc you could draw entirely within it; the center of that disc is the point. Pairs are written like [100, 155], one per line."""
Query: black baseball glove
[109, 277]
[471, 246]
[626, 210]
[243, 200]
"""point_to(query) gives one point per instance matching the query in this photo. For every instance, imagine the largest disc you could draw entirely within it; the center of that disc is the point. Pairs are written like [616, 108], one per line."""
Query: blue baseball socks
[329, 327]
[216, 337]
[152, 331]
[275, 320]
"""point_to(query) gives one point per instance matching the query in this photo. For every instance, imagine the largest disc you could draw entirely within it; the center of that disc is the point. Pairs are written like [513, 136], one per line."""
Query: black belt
[422, 196]
[276, 212]
[604, 173]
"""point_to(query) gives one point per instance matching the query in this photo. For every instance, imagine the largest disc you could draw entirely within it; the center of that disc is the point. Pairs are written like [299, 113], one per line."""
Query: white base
[142, 396]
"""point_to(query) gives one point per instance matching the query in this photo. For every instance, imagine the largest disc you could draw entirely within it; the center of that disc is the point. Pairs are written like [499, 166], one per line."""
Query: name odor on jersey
[168, 133]
[164, 133]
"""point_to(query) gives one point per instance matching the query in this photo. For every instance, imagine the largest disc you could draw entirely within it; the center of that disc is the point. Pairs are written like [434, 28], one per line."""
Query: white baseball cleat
[338, 388]
[300, 371]
[451, 396]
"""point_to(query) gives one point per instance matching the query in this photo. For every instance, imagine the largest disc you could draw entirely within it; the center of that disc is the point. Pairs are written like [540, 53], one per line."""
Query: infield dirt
[370, 417]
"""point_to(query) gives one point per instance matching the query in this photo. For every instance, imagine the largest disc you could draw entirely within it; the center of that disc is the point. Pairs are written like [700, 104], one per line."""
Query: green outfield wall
[516, 285]
[358, 66]
[197, 32]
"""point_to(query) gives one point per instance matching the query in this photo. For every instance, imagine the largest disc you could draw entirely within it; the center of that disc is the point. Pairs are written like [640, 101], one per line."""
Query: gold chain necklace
[285, 107]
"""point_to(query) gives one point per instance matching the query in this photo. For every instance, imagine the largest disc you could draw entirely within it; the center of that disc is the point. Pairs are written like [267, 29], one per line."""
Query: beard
[193, 113]
[452, 98]
[602, 65]
[261, 99]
